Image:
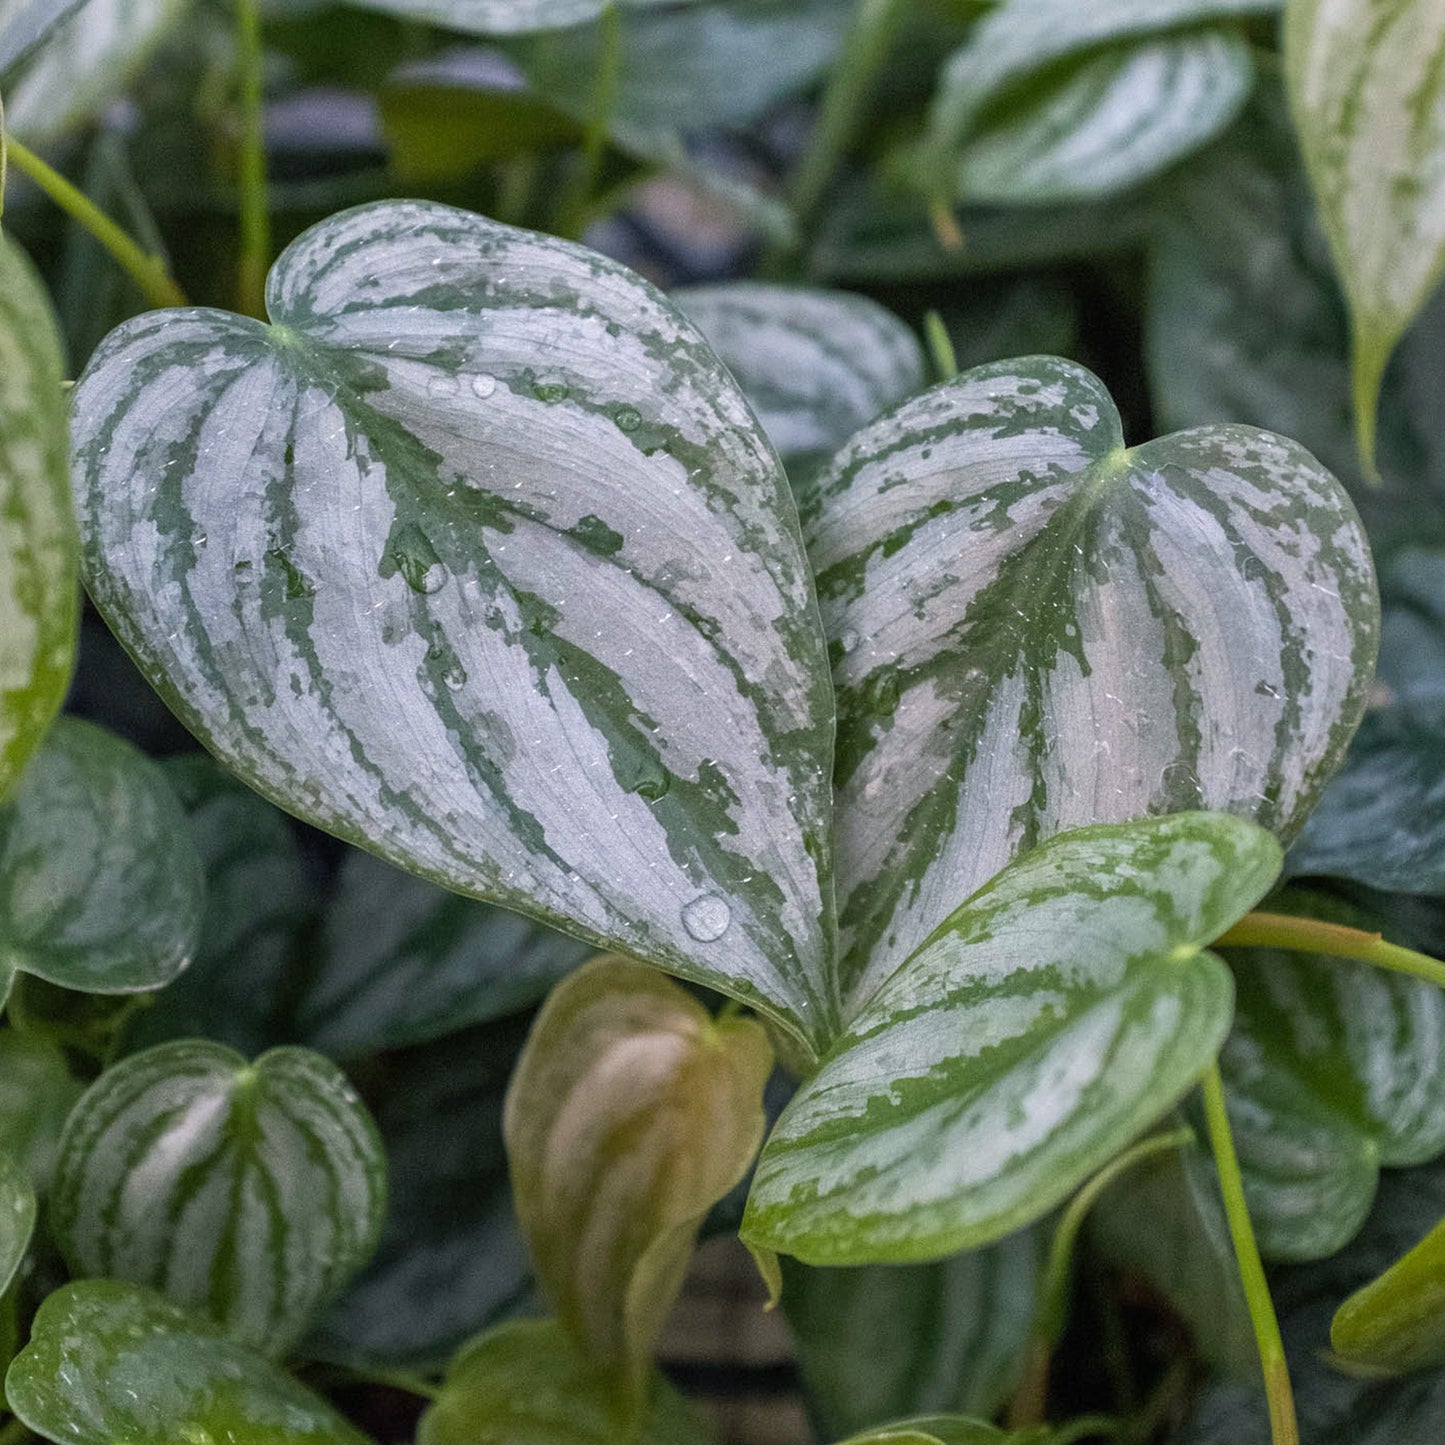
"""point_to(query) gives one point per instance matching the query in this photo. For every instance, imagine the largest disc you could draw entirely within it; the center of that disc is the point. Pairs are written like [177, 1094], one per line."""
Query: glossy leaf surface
[399, 961]
[946, 1430]
[1366, 81]
[569, 540]
[1036, 629]
[508, 17]
[525, 1384]
[1059, 1012]
[889, 1341]
[1332, 1069]
[816, 365]
[251, 1192]
[110, 1361]
[17, 1217]
[631, 1113]
[39, 601]
[99, 885]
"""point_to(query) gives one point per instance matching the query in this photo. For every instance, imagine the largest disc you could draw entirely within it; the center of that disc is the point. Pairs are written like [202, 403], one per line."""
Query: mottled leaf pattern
[507, 17]
[525, 1384]
[251, 1192]
[100, 888]
[109, 1361]
[631, 1113]
[1058, 1013]
[816, 365]
[1035, 629]
[1366, 81]
[478, 558]
[38, 595]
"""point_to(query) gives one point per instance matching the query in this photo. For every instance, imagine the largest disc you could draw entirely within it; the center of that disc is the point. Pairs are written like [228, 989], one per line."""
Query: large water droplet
[410, 552]
[651, 780]
[551, 392]
[628, 418]
[298, 586]
[707, 918]
[483, 385]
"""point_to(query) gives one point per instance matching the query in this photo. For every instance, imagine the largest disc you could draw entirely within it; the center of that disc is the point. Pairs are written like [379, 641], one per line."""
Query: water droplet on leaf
[410, 552]
[707, 918]
[628, 418]
[483, 385]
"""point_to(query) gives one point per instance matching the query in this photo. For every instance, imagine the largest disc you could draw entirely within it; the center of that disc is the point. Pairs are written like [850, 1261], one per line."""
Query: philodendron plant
[941, 745]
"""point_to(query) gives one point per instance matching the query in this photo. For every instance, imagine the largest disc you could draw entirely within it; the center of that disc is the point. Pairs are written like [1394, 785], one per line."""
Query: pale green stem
[1283, 1428]
[1029, 1402]
[255, 203]
[1313, 935]
[574, 208]
[1370, 354]
[149, 272]
[940, 347]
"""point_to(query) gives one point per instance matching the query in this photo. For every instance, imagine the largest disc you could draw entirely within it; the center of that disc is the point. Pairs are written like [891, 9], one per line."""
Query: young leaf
[816, 365]
[947, 1430]
[630, 1114]
[560, 651]
[39, 600]
[399, 961]
[895, 1340]
[109, 1361]
[1332, 1069]
[1397, 1322]
[249, 1191]
[100, 888]
[17, 1217]
[37, 1093]
[526, 1384]
[1052, 100]
[1043, 630]
[1054, 1016]
[1366, 82]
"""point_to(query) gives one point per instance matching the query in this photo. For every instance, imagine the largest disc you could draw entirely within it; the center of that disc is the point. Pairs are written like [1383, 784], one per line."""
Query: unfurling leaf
[1366, 82]
[1397, 1321]
[1056, 1015]
[250, 1192]
[100, 887]
[110, 1361]
[39, 598]
[631, 1113]
[478, 557]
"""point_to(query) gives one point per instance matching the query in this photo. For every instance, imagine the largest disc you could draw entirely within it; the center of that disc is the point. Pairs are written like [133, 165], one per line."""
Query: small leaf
[1056, 1015]
[1366, 82]
[408, 674]
[1397, 1322]
[39, 600]
[816, 365]
[400, 961]
[17, 1217]
[100, 888]
[525, 1384]
[37, 1093]
[249, 1191]
[889, 1341]
[630, 1114]
[1043, 630]
[110, 1362]
[947, 1430]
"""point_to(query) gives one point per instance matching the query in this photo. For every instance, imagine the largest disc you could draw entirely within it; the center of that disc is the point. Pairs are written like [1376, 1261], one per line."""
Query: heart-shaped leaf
[816, 365]
[1052, 100]
[1332, 1069]
[451, 1261]
[17, 1217]
[1059, 1012]
[399, 961]
[525, 1384]
[249, 1191]
[890, 1341]
[37, 1093]
[1366, 83]
[100, 888]
[258, 899]
[109, 1361]
[1036, 629]
[38, 595]
[83, 64]
[509, 17]
[558, 649]
[631, 1113]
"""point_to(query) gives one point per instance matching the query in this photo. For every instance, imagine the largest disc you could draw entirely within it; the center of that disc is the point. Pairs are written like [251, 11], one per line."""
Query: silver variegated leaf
[1366, 82]
[84, 64]
[1036, 629]
[39, 599]
[816, 365]
[508, 17]
[250, 1192]
[478, 557]
[100, 887]
[1053, 1017]
[109, 1361]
